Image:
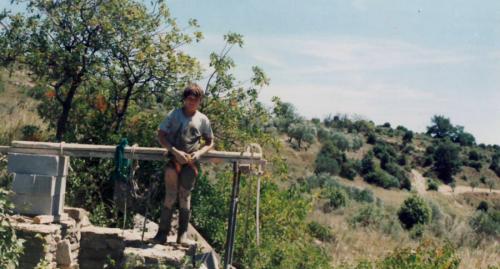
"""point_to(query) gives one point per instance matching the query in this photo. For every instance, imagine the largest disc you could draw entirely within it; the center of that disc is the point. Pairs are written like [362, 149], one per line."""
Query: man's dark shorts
[187, 173]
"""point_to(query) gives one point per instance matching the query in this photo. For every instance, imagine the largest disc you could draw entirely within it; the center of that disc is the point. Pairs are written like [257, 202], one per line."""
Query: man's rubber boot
[164, 226]
[184, 215]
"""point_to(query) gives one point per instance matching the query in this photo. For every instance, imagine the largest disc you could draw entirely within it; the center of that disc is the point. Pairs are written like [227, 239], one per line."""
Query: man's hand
[181, 156]
[196, 155]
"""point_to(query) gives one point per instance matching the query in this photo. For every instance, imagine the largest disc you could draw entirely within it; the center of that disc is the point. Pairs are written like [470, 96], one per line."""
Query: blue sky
[396, 61]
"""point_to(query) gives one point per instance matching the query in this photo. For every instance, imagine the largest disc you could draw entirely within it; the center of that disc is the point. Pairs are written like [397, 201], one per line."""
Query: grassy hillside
[358, 230]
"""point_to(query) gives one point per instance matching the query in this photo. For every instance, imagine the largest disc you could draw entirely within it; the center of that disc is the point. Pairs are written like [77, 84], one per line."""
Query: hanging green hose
[122, 164]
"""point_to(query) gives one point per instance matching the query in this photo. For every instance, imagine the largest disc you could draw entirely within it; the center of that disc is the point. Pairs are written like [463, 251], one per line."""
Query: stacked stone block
[39, 183]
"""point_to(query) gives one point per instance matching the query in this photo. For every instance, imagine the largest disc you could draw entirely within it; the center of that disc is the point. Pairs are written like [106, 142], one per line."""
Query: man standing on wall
[180, 133]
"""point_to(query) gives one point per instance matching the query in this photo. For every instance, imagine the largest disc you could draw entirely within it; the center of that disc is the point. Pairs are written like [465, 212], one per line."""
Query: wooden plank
[107, 151]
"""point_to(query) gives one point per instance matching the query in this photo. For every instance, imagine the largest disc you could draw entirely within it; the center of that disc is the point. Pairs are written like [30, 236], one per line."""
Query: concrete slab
[49, 165]
[33, 204]
[33, 184]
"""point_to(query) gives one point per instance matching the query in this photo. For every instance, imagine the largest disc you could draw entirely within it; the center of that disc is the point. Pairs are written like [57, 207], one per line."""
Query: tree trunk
[123, 111]
[63, 118]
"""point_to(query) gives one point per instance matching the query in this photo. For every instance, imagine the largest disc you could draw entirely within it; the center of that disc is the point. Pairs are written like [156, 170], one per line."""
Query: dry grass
[300, 162]
[354, 244]
[16, 109]
[392, 197]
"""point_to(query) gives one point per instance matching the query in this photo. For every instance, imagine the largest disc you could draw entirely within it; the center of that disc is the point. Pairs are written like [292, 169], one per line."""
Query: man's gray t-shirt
[185, 132]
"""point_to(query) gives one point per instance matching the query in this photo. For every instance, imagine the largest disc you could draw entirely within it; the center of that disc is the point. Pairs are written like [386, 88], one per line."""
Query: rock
[42, 219]
[77, 214]
[63, 253]
[158, 254]
[38, 228]
[151, 227]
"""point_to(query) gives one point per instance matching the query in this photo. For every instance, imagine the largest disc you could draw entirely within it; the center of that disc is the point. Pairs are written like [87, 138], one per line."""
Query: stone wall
[56, 245]
[72, 242]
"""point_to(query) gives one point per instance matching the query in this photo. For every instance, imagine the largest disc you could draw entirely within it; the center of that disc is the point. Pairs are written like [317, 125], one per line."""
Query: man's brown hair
[194, 90]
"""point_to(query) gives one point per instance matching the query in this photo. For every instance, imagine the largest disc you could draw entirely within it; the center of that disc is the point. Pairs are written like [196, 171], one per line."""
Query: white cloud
[337, 54]
[373, 54]
[379, 102]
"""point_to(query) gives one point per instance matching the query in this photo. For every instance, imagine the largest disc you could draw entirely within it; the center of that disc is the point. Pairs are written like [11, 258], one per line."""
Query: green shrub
[382, 179]
[329, 159]
[400, 174]
[476, 165]
[337, 198]
[322, 180]
[427, 255]
[349, 169]
[464, 138]
[402, 160]
[474, 155]
[368, 215]
[407, 137]
[325, 164]
[417, 231]
[428, 160]
[358, 195]
[486, 223]
[340, 141]
[408, 149]
[483, 206]
[432, 185]
[495, 163]
[367, 164]
[323, 134]
[385, 152]
[371, 138]
[320, 232]
[436, 212]
[414, 211]
[328, 182]
[356, 143]
[11, 247]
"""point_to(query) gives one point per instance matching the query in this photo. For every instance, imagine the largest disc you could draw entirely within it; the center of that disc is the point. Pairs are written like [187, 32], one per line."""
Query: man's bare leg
[187, 179]
[167, 210]
[171, 187]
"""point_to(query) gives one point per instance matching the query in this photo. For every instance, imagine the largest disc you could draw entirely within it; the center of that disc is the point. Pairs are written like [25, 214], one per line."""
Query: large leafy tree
[302, 132]
[116, 51]
[447, 160]
[441, 127]
[143, 57]
[238, 116]
[60, 43]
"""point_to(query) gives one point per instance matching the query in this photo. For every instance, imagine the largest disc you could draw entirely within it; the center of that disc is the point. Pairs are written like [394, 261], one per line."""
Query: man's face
[191, 103]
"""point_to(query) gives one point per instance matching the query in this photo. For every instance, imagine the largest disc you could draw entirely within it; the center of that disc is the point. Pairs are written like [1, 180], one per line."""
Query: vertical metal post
[231, 227]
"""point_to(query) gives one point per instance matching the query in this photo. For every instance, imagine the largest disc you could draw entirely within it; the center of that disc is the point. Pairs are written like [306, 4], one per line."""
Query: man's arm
[180, 156]
[208, 136]
[209, 144]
